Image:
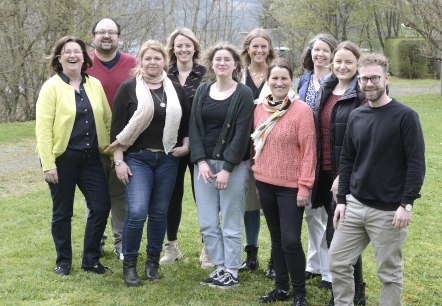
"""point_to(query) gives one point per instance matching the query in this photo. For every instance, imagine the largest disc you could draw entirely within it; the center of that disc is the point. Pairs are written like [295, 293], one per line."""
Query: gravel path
[20, 171]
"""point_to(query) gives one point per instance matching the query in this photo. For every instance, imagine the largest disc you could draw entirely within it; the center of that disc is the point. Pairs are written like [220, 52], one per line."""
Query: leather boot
[130, 272]
[251, 262]
[152, 265]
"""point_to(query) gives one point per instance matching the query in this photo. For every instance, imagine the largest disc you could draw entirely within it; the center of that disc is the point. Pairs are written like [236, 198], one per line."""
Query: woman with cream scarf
[149, 132]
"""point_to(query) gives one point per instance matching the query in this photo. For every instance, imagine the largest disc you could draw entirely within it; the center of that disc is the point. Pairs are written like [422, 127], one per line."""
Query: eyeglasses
[374, 79]
[103, 32]
[72, 52]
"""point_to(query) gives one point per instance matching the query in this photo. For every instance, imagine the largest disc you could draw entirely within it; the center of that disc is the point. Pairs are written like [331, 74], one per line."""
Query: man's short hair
[374, 59]
[116, 23]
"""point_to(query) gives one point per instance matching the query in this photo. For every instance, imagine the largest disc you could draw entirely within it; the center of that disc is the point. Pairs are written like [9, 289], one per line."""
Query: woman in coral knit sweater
[284, 169]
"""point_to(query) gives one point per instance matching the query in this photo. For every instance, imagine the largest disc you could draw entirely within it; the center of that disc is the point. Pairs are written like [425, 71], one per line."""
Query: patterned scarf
[277, 109]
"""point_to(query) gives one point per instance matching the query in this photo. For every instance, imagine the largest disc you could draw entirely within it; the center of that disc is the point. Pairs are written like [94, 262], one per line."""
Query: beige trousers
[363, 224]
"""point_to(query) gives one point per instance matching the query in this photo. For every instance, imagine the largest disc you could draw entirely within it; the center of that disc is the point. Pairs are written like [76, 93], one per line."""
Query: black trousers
[284, 220]
[176, 202]
[82, 169]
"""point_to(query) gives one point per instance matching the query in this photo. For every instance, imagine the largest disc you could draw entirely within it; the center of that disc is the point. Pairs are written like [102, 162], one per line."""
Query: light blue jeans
[220, 214]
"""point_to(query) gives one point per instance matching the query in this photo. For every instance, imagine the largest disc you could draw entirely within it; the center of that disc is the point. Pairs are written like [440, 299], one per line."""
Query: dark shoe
[310, 275]
[152, 266]
[251, 262]
[130, 272]
[270, 273]
[325, 285]
[274, 296]
[97, 269]
[332, 300]
[300, 301]
[359, 298]
[215, 275]
[62, 270]
[227, 281]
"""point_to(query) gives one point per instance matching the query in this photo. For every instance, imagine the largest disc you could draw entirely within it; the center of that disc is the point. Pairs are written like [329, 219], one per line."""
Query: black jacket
[351, 99]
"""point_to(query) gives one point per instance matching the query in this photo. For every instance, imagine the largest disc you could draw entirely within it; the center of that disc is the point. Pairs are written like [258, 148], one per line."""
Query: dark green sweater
[235, 135]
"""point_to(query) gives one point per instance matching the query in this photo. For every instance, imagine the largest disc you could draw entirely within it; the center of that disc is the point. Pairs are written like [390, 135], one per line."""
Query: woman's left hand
[180, 151]
[302, 201]
[222, 179]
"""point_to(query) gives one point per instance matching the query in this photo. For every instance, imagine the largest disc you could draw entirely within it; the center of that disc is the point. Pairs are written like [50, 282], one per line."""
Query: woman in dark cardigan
[220, 125]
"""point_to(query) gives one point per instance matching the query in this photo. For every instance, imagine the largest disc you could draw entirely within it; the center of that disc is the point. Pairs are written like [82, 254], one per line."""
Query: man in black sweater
[382, 169]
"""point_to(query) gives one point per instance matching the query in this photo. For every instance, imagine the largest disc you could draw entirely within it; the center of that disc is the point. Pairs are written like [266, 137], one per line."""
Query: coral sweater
[288, 158]
[111, 79]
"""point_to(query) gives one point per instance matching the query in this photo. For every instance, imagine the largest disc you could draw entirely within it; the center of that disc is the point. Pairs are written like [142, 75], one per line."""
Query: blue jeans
[148, 194]
[222, 238]
[82, 169]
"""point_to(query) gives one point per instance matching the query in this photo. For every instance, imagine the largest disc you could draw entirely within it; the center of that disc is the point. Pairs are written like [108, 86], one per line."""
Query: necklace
[162, 104]
[259, 76]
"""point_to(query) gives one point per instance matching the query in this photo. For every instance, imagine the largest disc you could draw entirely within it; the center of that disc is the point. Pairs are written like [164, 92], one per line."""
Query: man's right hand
[339, 214]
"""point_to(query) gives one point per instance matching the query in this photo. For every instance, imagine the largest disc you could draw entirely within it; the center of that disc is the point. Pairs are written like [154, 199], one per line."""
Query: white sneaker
[206, 262]
[171, 253]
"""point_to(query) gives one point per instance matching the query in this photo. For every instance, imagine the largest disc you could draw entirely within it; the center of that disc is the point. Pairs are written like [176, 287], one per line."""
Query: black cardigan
[126, 99]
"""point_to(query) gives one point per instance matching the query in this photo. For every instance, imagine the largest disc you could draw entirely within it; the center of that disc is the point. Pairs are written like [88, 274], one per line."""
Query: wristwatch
[407, 207]
[118, 162]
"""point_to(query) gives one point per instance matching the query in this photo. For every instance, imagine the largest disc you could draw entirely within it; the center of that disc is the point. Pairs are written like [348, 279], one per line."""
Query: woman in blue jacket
[316, 60]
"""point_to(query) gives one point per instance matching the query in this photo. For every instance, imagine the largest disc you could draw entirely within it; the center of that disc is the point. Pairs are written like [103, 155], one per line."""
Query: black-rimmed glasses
[374, 79]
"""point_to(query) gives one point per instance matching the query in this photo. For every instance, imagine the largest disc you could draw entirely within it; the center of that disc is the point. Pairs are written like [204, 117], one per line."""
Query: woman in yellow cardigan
[72, 129]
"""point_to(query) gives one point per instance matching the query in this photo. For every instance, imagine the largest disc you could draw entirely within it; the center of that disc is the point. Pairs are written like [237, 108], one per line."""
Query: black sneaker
[213, 277]
[325, 285]
[275, 295]
[226, 281]
[300, 301]
[62, 270]
[97, 269]
[310, 275]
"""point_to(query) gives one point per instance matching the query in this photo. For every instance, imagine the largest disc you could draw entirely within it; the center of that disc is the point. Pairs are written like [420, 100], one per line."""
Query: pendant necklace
[162, 104]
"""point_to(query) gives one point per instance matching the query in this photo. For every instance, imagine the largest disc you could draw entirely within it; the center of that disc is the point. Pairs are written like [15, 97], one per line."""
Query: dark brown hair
[54, 63]
[210, 54]
[307, 61]
[281, 63]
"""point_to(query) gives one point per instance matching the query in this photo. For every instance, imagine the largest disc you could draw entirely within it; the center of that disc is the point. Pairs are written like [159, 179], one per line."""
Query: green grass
[421, 82]
[28, 255]
[12, 133]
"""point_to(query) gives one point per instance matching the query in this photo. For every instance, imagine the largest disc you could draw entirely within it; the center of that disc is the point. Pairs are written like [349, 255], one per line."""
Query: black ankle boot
[152, 265]
[251, 262]
[270, 273]
[359, 298]
[130, 272]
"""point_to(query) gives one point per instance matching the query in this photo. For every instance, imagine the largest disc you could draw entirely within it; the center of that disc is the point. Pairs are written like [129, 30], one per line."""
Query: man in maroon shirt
[111, 67]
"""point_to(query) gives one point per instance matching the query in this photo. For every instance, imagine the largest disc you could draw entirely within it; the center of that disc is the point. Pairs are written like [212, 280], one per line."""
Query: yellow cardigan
[55, 116]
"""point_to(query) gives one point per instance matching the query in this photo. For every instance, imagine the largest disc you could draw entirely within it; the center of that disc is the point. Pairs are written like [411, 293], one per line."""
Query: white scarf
[143, 115]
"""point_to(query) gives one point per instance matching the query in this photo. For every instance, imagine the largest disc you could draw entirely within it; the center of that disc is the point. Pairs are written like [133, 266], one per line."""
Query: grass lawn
[28, 255]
